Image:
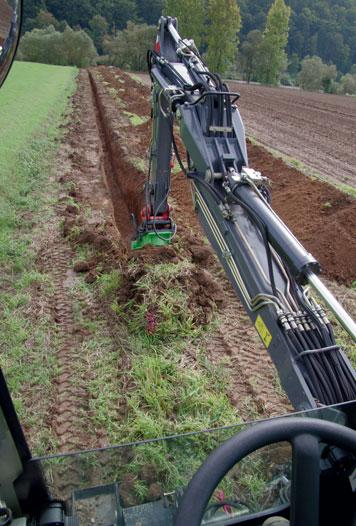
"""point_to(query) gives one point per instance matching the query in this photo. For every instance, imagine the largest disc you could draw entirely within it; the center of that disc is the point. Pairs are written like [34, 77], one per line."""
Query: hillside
[318, 27]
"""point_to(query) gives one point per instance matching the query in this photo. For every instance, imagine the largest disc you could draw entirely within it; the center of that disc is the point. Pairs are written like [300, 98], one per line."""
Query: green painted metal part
[152, 238]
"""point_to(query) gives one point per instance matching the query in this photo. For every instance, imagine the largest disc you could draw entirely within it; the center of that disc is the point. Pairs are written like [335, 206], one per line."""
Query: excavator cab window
[129, 484]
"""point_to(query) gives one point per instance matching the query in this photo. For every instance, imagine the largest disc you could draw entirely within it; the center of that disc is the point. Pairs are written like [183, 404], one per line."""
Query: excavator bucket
[153, 239]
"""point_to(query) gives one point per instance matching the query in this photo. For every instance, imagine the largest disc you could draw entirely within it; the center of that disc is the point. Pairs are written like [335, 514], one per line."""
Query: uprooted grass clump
[168, 300]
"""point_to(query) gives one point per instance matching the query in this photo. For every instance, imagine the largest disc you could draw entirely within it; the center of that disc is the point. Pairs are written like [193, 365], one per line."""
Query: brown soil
[317, 129]
[321, 217]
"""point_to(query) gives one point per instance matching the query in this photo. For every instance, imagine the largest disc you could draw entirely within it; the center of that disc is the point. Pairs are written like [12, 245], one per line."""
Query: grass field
[32, 104]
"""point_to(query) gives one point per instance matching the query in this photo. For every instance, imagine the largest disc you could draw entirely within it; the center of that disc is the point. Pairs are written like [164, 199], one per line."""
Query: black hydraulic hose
[349, 383]
[208, 74]
[342, 373]
[331, 331]
[198, 86]
[322, 382]
[265, 235]
[194, 51]
[330, 380]
[324, 362]
[313, 335]
[322, 379]
[334, 366]
[343, 377]
[334, 378]
[310, 376]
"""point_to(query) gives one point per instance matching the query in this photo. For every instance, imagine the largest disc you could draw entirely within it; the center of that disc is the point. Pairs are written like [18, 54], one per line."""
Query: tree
[44, 46]
[311, 73]
[79, 48]
[293, 65]
[44, 19]
[325, 28]
[329, 77]
[316, 75]
[222, 34]
[250, 55]
[128, 49]
[191, 18]
[275, 39]
[30, 11]
[75, 13]
[348, 84]
[48, 46]
[117, 12]
[98, 29]
[150, 10]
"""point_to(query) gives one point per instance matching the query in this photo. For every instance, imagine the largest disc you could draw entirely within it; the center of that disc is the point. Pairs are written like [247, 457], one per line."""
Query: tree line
[311, 43]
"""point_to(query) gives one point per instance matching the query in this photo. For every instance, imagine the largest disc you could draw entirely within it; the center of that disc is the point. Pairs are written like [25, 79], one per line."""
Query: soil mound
[319, 215]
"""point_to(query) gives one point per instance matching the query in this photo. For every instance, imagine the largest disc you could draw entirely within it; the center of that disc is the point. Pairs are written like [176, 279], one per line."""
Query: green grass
[168, 386]
[32, 94]
[135, 120]
[347, 189]
[140, 164]
[32, 103]
[110, 282]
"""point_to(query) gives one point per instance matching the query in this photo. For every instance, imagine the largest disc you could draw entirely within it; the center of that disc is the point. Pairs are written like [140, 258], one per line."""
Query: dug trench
[154, 342]
[211, 301]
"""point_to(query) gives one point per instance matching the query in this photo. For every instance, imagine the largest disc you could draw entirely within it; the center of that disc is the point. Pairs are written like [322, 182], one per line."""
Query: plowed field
[317, 129]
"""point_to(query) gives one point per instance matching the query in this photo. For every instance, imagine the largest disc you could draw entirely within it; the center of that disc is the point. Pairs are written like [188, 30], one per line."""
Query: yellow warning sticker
[263, 331]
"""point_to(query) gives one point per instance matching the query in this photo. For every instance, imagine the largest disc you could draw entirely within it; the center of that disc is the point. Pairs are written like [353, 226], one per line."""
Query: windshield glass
[147, 478]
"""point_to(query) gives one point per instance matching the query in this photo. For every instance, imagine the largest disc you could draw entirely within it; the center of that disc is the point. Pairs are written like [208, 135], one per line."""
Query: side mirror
[10, 28]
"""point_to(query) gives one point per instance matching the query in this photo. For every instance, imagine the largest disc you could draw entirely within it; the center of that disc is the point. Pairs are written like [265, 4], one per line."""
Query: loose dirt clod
[81, 266]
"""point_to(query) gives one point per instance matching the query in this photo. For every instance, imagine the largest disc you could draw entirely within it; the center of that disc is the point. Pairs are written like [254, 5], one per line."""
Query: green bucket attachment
[152, 238]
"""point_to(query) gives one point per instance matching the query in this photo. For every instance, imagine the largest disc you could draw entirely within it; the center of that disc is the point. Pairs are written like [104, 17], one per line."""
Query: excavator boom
[268, 267]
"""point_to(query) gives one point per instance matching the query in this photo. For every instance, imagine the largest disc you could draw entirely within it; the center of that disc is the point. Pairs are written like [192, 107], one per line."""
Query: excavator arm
[269, 269]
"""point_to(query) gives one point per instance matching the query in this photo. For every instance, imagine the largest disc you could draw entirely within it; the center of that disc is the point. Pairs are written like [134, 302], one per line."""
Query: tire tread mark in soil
[69, 395]
[87, 175]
